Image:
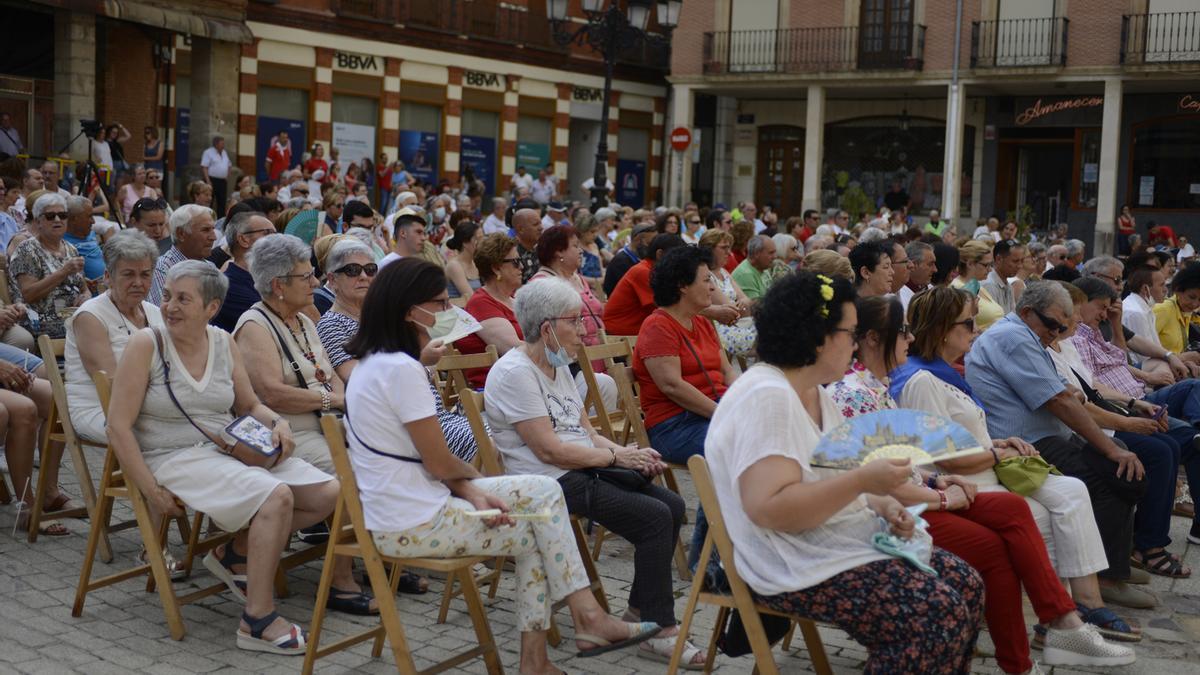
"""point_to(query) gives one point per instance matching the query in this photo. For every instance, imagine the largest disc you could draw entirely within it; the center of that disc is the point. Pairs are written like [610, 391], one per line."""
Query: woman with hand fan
[803, 533]
[993, 531]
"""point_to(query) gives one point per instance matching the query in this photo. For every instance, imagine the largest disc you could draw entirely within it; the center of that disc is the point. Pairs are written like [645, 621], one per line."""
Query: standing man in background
[215, 165]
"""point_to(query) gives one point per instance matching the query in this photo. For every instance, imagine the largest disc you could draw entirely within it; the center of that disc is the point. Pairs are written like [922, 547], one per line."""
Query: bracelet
[325, 401]
[614, 458]
[942, 498]
[994, 455]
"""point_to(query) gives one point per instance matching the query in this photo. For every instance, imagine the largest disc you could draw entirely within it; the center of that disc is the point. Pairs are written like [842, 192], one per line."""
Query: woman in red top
[492, 305]
[679, 363]
[1126, 225]
[317, 161]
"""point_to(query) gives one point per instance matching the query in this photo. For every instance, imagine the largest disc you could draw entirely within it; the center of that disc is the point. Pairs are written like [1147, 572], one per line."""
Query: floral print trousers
[909, 621]
[548, 563]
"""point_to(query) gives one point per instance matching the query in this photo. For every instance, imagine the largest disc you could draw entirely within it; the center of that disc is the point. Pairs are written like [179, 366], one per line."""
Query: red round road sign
[681, 138]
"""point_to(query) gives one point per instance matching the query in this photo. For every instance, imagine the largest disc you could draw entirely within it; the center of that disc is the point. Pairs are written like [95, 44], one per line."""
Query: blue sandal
[1110, 625]
[222, 569]
[295, 643]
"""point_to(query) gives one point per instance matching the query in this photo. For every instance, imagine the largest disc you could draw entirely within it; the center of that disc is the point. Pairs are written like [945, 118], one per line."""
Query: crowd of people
[753, 336]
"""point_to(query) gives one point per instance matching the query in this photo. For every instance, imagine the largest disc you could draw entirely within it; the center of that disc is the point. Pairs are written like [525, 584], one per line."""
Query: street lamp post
[610, 32]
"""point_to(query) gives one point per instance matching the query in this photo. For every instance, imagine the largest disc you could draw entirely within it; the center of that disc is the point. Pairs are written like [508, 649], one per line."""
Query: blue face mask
[560, 358]
[972, 287]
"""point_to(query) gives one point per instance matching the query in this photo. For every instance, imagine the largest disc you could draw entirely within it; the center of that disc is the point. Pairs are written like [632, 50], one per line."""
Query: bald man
[527, 223]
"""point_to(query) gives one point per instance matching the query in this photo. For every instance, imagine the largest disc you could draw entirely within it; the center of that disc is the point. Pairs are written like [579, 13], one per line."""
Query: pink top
[131, 198]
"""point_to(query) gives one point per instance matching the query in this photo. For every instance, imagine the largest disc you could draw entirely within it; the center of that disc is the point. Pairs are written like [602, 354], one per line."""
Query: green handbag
[1024, 475]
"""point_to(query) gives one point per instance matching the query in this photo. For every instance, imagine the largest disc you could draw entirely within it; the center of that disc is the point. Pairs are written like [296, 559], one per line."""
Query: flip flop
[61, 503]
[51, 528]
[294, 643]
[661, 650]
[638, 632]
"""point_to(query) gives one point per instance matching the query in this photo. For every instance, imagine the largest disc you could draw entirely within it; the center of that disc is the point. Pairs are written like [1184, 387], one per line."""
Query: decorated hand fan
[466, 325]
[885, 434]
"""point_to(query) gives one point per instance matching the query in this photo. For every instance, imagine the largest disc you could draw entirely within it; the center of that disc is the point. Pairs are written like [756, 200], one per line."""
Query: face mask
[439, 212]
[443, 323]
[560, 358]
[972, 287]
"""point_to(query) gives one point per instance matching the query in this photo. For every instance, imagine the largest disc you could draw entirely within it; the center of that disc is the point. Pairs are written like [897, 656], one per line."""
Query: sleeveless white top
[304, 421]
[81, 393]
[160, 427]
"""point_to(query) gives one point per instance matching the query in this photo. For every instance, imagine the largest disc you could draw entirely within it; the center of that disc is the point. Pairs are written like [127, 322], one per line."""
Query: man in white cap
[556, 214]
[403, 199]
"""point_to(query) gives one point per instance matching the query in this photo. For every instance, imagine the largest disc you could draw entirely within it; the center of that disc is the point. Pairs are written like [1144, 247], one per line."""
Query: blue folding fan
[913, 434]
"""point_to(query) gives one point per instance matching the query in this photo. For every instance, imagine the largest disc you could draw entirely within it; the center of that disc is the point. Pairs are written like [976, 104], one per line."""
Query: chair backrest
[335, 438]
[608, 353]
[453, 369]
[459, 302]
[630, 340]
[490, 462]
[103, 389]
[635, 426]
[51, 350]
[702, 481]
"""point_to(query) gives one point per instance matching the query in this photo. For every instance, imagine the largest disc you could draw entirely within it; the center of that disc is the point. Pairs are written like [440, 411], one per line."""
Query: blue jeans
[1160, 454]
[1182, 400]
[19, 357]
[676, 439]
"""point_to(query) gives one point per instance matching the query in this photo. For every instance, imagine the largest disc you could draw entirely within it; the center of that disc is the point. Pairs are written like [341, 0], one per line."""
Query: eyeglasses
[1050, 324]
[576, 321]
[693, 222]
[1105, 276]
[905, 329]
[969, 324]
[515, 262]
[149, 204]
[442, 303]
[55, 215]
[306, 276]
[261, 230]
[355, 269]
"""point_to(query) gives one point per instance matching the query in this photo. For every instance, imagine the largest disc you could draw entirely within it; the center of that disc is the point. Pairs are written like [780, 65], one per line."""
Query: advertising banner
[419, 152]
[355, 142]
[533, 156]
[631, 182]
[268, 132]
[479, 153]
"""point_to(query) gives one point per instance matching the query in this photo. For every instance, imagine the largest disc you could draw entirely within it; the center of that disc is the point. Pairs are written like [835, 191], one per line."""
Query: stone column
[1110, 149]
[654, 192]
[452, 153]
[562, 134]
[323, 102]
[679, 174]
[814, 148]
[214, 103]
[391, 107]
[74, 78]
[952, 160]
[614, 126]
[248, 110]
[508, 130]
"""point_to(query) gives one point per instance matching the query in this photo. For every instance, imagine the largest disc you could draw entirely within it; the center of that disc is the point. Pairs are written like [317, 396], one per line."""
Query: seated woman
[417, 495]
[729, 308]
[560, 256]
[461, 273]
[942, 319]
[1161, 442]
[540, 426]
[492, 305]
[803, 534]
[993, 531]
[290, 371]
[352, 271]
[46, 273]
[873, 273]
[592, 266]
[975, 263]
[168, 458]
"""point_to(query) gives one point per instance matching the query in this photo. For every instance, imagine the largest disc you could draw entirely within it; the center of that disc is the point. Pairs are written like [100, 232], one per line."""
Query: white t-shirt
[925, 391]
[387, 392]
[494, 225]
[1139, 318]
[519, 181]
[217, 163]
[102, 154]
[761, 416]
[517, 391]
[389, 259]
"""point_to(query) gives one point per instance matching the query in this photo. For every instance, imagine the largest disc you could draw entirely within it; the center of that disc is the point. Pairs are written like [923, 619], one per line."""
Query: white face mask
[439, 212]
[443, 323]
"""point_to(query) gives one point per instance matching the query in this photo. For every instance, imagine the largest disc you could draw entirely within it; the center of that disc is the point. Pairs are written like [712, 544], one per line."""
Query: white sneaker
[1083, 646]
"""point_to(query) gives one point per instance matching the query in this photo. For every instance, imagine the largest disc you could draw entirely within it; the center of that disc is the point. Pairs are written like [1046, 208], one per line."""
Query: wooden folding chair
[612, 354]
[453, 368]
[739, 598]
[491, 465]
[58, 429]
[348, 536]
[459, 302]
[630, 340]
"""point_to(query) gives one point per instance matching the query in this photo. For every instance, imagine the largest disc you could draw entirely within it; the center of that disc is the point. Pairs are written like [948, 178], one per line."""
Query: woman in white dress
[167, 457]
[730, 309]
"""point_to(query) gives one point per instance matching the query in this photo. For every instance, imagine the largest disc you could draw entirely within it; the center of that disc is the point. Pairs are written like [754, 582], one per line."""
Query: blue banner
[533, 156]
[183, 132]
[631, 182]
[268, 131]
[479, 153]
[419, 152]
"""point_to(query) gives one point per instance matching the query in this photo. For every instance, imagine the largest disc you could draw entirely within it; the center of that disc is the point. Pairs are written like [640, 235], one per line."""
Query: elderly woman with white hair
[193, 232]
[45, 272]
[169, 451]
[540, 425]
[788, 255]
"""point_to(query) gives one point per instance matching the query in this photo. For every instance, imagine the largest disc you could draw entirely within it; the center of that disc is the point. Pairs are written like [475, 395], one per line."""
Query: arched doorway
[780, 168]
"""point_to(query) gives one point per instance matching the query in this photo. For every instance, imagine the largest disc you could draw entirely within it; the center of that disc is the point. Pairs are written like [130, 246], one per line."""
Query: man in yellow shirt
[1173, 316]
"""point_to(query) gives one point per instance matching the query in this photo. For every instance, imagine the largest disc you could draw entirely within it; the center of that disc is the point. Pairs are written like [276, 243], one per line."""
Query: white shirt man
[521, 179]
[494, 223]
[216, 162]
[590, 182]
[542, 189]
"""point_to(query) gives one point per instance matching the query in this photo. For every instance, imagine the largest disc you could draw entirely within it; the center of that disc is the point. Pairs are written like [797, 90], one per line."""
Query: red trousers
[997, 536]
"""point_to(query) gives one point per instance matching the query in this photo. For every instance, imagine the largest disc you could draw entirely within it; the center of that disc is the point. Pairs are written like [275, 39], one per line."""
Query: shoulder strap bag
[287, 353]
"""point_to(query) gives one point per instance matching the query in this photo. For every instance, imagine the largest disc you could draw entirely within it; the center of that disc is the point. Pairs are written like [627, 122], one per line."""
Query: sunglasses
[969, 324]
[55, 215]
[1050, 324]
[149, 204]
[355, 269]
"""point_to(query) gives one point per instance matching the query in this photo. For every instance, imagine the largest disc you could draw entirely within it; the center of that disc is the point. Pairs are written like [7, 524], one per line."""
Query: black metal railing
[803, 50]
[1167, 37]
[1019, 42]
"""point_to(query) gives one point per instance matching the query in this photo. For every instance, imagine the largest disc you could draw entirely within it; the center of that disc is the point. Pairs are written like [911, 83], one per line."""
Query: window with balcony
[1024, 33]
[1168, 33]
[886, 31]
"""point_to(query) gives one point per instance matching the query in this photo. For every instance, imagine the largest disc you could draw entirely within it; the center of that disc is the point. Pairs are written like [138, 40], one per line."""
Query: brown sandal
[1163, 563]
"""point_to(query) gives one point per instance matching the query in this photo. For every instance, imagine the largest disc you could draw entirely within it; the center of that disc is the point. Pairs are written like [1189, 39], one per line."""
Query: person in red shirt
[492, 305]
[279, 157]
[632, 301]
[679, 363]
[317, 161]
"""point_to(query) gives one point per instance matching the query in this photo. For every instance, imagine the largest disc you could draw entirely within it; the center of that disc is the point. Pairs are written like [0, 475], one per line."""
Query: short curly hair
[490, 254]
[675, 270]
[790, 322]
[553, 241]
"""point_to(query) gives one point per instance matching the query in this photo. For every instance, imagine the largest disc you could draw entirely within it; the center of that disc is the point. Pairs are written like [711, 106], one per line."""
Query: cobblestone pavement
[122, 629]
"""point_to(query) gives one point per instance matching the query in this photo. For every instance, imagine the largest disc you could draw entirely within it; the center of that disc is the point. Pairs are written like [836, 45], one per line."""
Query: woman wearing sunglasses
[943, 321]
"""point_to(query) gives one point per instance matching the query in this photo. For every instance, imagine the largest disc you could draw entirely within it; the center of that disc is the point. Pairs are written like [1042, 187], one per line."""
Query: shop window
[1087, 168]
[478, 154]
[283, 102]
[864, 158]
[420, 117]
[633, 151]
[355, 121]
[533, 141]
[1166, 164]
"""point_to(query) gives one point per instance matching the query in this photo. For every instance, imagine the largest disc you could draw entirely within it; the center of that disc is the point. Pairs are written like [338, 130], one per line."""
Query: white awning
[225, 30]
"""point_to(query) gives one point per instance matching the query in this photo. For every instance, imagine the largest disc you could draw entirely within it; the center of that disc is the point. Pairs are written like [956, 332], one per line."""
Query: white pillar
[952, 162]
[1110, 148]
[814, 147]
[679, 169]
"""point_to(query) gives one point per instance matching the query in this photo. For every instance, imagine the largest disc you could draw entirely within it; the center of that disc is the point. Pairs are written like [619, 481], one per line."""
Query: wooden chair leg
[164, 526]
[87, 490]
[816, 648]
[786, 645]
[588, 565]
[158, 566]
[689, 611]
[483, 629]
[385, 591]
[447, 595]
[49, 457]
[601, 534]
[323, 590]
[394, 584]
[5, 495]
[89, 553]
[681, 561]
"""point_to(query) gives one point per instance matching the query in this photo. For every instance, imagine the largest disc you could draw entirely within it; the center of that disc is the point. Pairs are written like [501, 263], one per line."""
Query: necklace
[305, 348]
[124, 323]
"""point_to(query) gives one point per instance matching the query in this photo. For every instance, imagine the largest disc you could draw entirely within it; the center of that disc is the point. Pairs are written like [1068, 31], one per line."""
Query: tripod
[89, 167]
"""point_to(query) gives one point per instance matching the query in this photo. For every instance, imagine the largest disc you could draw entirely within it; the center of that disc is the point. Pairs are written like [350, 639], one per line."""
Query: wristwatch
[1169, 355]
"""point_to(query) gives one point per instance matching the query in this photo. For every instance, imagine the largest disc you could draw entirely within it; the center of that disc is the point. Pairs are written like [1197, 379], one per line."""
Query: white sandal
[661, 649]
[175, 568]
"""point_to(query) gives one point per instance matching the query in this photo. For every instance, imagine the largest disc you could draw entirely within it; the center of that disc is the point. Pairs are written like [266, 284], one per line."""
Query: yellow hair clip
[826, 293]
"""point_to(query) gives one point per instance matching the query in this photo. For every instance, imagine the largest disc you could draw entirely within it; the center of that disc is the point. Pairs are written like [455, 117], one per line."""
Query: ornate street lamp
[610, 32]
